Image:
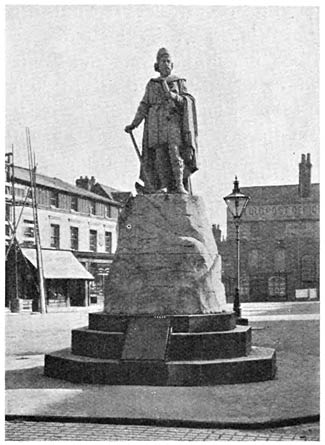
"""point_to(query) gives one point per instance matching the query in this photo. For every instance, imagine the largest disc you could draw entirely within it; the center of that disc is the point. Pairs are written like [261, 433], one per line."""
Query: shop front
[65, 280]
[98, 265]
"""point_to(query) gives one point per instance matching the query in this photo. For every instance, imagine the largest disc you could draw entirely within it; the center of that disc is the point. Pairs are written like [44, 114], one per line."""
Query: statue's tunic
[163, 115]
[168, 122]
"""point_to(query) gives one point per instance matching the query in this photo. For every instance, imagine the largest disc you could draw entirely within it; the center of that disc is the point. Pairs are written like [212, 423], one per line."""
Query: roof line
[76, 190]
[278, 185]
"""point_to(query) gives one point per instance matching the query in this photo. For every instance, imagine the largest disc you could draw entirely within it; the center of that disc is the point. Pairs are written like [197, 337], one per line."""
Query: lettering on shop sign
[281, 212]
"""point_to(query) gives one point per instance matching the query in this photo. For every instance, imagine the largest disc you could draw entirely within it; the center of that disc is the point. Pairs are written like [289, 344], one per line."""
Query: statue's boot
[178, 171]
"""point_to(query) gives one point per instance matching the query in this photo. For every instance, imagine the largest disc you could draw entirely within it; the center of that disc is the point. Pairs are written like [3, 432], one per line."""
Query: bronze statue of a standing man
[169, 146]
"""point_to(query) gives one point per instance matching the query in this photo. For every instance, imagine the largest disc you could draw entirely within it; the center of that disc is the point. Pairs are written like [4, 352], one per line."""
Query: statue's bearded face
[165, 65]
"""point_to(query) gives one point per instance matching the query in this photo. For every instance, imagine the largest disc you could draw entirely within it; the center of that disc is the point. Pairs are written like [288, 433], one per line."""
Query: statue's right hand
[129, 128]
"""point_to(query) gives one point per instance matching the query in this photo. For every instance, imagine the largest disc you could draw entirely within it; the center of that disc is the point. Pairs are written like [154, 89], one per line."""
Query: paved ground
[293, 395]
[23, 430]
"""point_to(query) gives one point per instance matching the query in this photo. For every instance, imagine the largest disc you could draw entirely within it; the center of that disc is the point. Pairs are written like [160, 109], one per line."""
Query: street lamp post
[236, 203]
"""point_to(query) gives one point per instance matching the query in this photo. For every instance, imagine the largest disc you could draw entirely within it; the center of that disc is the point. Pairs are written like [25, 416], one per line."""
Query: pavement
[291, 399]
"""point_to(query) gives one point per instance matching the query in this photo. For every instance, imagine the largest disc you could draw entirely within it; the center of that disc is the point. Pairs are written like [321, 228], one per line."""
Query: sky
[76, 74]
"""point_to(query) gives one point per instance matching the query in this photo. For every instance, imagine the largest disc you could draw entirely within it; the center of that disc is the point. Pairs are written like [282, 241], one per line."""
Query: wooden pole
[39, 260]
[16, 294]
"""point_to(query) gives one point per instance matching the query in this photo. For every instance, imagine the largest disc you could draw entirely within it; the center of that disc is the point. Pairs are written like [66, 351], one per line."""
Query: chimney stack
[86, 183]
[216, 233]
[305, 176]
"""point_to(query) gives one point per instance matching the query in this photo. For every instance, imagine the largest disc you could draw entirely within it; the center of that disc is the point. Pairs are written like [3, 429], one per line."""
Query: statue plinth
[167, 260]
[164, 321]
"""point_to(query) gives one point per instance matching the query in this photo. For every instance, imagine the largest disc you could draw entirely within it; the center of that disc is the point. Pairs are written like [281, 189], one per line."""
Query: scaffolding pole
[39, 259]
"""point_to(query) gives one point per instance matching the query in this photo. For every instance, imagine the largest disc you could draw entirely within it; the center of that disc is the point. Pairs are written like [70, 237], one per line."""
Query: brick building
[280, 242]
[78, 237]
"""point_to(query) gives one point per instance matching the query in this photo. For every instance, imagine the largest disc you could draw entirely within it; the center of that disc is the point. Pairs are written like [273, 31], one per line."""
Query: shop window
[74, 238]
[308, 269]
[96, 287]
[57, 292]
[54, 198]
[277, 286]
[74, 203]
[279, 260]
[55, 236]
[93, 240]
[108, 242]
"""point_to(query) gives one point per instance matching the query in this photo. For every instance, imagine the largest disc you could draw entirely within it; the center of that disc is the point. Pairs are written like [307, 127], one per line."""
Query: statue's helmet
[162, 52]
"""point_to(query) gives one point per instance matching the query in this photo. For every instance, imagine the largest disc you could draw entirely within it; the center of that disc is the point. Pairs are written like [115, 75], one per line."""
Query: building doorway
[258, 289]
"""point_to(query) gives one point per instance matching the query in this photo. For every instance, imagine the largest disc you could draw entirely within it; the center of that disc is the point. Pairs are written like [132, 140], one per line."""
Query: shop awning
[59, 264]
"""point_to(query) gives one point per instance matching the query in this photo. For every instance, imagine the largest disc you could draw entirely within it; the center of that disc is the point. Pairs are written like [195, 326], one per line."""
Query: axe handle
[136, 147]
[140, 159]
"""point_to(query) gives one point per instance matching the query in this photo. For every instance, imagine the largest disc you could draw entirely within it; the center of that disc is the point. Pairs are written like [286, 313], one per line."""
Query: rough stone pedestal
[164, 321]
[167, 260]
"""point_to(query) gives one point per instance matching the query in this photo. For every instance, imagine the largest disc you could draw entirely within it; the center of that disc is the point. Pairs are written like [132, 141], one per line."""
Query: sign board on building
[281, 212]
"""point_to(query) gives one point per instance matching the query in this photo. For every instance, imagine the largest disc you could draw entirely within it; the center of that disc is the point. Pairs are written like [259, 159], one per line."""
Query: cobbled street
[25, 430]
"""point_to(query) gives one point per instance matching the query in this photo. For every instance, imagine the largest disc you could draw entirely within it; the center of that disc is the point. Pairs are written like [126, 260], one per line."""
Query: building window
[29, 229]
[255, 230]
[92, 205]
[93, 240]
[277, 286]
[308, 268]
[253, 259]
[29, 232]
[54, 198]
[8, 212]
[108, 211]
[244, 286]
[279, 260]
[74, 203]
[74, 238]
[108, 242]
[55, 236]
[20, 193]
[8, 230]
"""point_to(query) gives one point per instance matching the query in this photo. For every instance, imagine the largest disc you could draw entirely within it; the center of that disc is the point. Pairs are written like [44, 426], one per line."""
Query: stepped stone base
[258, 366]
[222, 321]
[186, 350]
